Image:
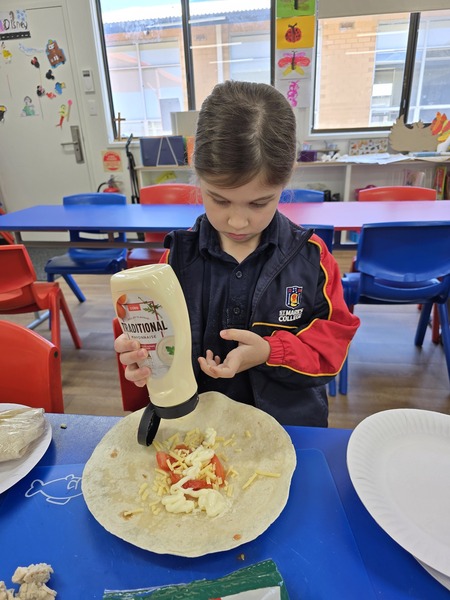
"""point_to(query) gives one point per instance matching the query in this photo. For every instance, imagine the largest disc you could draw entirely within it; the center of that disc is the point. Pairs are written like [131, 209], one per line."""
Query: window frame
[405, 99]
[186, 30]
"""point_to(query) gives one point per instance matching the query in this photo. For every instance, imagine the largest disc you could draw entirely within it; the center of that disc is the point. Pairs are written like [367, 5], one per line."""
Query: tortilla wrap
[118, 466]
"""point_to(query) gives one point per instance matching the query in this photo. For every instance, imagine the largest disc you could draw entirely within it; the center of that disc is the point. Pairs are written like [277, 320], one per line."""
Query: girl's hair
[245, 130]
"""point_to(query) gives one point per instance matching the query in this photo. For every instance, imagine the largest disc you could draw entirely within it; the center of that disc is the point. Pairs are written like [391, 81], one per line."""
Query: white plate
[399, 464]
[443, 579]
[12, 471]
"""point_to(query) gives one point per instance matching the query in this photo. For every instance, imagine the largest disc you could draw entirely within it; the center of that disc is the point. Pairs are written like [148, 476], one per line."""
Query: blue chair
[302, 195]
[403, 263]
[93, 261]
[326, 233]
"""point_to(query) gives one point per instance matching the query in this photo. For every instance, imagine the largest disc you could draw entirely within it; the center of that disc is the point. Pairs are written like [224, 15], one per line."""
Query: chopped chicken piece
[35, 591]
[32, 580]
[4, 593]
[39, 573]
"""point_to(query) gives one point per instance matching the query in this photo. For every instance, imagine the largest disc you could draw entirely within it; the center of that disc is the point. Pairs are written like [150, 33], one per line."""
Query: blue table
[348, 216]
[364, 560]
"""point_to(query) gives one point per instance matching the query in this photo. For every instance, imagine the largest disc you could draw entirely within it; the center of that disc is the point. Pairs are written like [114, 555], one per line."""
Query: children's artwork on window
[289, 8]
[294, 63]
[296, 91]
[55, 54]
[295, 32]
[3, 110]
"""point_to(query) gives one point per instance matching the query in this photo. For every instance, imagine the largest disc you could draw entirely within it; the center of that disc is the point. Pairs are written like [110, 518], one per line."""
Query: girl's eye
[220, 202]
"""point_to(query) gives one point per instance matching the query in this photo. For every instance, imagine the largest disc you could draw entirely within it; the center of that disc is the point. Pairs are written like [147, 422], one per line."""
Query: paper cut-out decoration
[34, 61]
[292, 93]
[297, 92]
[62, 115]
[295, 32]
[293, 62]
[28, 109]
[290, 8]
[69, 106]
[55, 54]
[7, 55]
[49, 74]
[40, 91]
[414, 138]
[50, 95]
[59, 87]
[3, 110]
[440, 127]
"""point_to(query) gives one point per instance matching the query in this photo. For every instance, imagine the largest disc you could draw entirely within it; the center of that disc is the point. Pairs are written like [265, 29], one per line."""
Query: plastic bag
[18, 429]
[261, 581]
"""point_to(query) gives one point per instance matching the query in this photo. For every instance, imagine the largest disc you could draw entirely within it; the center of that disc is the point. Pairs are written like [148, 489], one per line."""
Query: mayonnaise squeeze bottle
[151, 308]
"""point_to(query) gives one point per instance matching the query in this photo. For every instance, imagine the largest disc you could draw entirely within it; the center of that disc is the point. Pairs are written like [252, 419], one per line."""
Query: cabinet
[341, 178]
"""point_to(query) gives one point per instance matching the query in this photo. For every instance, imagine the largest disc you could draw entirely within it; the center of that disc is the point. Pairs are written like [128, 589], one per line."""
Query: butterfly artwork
[293, 62]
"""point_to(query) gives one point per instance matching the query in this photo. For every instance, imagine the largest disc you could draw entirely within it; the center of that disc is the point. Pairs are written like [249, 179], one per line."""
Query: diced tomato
[162, 458]
[196, 484]
[174, 477]
[219, 470]
[181, 447]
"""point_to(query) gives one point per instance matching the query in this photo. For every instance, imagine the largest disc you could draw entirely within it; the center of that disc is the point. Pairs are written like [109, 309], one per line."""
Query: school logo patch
[293, 296]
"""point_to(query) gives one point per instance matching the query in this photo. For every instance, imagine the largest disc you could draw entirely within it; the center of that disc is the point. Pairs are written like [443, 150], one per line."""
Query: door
[39, 108]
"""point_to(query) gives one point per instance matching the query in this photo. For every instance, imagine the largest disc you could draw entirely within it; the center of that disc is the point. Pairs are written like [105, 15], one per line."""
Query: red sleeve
[320, 348]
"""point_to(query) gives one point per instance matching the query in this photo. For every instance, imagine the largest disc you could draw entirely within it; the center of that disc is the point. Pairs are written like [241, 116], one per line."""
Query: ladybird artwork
[55, 54]
[295, 32]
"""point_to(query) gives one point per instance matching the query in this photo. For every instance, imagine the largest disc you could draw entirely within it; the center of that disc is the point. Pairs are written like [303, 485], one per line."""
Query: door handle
[76, 143]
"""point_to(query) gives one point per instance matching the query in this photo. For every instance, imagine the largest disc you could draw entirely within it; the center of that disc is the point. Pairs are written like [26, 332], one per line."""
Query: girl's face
[240, 214]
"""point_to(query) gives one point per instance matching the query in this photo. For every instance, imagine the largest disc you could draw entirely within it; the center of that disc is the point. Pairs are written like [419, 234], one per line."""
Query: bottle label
[144, 320]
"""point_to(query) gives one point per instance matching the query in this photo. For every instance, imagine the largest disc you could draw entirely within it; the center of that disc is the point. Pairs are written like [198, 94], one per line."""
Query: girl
[269, 323]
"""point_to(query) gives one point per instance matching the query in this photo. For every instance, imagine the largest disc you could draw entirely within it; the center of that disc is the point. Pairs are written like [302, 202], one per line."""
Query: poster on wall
[13, 25]
[295, 32]
[289, 8]
[292, 64]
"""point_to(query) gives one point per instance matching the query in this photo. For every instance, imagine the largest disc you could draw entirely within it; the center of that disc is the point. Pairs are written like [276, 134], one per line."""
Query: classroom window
[361, 79]
[158, 61]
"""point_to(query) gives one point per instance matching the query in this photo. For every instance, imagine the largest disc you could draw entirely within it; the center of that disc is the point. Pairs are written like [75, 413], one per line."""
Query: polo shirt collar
[209, 244]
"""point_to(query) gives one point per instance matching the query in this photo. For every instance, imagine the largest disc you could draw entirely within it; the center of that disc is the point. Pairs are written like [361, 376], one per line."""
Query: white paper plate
[443, 579]
[399, 464]
[12, 471]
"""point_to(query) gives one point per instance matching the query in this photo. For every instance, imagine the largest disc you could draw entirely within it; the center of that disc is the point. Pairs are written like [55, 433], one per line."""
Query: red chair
[133, 397]
[399, 193]
[9, 239]
[164, 193]
[396, 192]
[21, 293]
[31, 369]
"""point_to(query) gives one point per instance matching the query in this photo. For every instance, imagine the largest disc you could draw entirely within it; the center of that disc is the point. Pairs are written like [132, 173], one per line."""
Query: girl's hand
[130, 353]
[253, 350]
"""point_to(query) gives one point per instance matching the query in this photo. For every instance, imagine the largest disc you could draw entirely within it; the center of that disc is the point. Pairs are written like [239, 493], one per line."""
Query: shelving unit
[341, 178]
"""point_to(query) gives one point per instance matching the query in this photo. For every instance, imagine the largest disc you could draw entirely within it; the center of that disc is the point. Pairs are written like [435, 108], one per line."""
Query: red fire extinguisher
[111, 186]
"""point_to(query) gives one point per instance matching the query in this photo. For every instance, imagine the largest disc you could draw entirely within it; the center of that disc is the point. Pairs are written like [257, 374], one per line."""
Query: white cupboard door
[39, 109]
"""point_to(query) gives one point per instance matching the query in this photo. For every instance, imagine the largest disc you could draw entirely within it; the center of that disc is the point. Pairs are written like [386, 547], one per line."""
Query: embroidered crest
[293, 296]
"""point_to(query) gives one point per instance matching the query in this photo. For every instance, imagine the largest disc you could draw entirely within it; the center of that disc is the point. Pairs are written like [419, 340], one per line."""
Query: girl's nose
[237, 221]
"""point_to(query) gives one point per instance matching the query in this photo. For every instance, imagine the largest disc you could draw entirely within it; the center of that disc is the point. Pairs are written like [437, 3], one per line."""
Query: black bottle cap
[152, 416]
